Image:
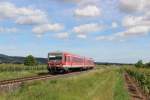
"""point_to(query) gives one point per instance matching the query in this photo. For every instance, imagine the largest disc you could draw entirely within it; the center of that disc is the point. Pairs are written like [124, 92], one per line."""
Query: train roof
[58, 52]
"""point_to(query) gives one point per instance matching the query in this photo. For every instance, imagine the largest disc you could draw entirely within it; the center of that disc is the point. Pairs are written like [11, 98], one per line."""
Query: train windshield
[55, 57]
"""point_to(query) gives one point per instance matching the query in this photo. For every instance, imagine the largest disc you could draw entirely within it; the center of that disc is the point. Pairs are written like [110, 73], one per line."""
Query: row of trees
[140, 64]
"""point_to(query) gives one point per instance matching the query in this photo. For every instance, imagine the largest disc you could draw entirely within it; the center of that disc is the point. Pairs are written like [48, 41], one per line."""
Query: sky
[105, 30]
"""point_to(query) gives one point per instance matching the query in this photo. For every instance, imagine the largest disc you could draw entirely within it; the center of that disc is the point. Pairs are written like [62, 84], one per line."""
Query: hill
[18, 59]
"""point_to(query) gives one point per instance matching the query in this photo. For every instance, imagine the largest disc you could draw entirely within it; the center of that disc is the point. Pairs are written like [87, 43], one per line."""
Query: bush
[30, 61]
[147, 65]
[139, 64]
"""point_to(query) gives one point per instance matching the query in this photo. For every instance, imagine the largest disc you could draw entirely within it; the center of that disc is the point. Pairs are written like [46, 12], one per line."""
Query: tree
[30, 61]
[139, 64]
[147, 65]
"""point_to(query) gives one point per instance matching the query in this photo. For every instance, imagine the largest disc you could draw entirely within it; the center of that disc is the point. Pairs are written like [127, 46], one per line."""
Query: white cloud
[130, 6]
[136, 25]
[82, 36]
[114, 24]
[134, 6]
[31, 20]
[8, 30]
[108, 38]
[22, 15]
[135, 31]
[82, 2]
[131, 21]
[87, 28]
[7, 10]
[83, 30]
[41, 29]
[62, 35]
[138, 22]
[88, 11]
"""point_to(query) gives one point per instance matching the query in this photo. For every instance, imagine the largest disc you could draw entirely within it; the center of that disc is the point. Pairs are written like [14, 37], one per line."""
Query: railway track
[12, 84]
[11, 81]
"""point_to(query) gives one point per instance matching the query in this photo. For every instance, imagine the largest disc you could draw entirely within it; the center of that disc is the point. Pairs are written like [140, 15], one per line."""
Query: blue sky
[106, 30]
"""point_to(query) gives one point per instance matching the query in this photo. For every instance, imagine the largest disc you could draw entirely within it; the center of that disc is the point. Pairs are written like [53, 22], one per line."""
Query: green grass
[18, 74]
[11, 71]
[120, 93]
[100, 84]
[20, 67]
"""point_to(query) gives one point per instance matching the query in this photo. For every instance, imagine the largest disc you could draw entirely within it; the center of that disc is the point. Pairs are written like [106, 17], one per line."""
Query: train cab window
[55, 57]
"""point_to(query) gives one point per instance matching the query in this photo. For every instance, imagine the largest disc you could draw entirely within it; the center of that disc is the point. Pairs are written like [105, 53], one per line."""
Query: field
[10, 71]
[99, 84]
[102, 83]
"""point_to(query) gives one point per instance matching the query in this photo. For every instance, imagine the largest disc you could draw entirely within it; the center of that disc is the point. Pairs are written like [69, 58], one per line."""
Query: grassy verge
[120, 93]
[19, 74]
[100, 84]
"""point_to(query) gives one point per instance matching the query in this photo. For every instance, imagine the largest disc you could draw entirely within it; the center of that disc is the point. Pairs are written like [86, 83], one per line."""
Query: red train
[63, 62]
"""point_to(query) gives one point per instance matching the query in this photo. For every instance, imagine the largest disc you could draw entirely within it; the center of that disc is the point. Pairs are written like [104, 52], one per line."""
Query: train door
[69, 60]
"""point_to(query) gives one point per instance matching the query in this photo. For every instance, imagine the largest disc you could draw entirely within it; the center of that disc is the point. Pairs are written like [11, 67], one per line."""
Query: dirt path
[134, 90]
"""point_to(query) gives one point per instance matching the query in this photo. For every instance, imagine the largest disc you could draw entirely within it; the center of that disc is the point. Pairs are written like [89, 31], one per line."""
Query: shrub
[147, 65]
[139, 64]
[30, 61]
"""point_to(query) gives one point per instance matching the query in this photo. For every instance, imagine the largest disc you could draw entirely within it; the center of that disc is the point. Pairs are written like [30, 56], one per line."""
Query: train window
[78, 60]
[53, 57]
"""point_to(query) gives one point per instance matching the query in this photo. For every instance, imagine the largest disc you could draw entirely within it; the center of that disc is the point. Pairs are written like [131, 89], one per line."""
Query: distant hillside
[18, 60]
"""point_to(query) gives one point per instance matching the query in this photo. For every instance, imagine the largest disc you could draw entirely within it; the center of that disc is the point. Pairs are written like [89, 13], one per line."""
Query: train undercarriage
[67, 69]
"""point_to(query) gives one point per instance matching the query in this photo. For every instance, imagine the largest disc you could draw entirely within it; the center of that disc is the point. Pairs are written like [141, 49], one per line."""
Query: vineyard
[142, 76]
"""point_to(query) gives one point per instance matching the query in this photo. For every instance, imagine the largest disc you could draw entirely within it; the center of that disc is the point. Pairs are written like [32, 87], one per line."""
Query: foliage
[139, 64]
[142, 76]
[147, 65]
[30, 61]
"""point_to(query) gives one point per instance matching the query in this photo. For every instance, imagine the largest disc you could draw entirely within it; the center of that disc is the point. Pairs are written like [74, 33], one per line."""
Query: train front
[55, 62]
